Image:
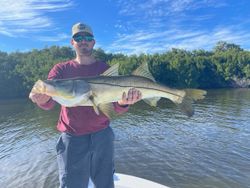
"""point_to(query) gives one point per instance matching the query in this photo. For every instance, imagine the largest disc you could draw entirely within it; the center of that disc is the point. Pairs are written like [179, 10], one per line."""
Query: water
[209, 150]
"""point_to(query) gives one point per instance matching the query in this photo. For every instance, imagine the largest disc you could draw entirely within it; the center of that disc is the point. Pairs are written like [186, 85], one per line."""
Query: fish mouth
[39, 87]
[44, 88]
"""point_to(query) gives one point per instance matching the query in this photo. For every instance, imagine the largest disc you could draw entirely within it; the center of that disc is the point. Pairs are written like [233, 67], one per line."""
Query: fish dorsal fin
[112, 71]
[143, 71]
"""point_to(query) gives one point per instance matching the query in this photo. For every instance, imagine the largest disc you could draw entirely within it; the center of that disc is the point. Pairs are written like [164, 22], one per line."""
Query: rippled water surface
[210, 150]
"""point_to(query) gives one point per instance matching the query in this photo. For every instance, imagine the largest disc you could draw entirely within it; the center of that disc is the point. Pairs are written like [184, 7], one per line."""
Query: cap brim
[83, 32]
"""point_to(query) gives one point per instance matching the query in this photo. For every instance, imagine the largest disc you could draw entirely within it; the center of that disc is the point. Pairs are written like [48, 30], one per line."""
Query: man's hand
[132, 97]
[39, 98]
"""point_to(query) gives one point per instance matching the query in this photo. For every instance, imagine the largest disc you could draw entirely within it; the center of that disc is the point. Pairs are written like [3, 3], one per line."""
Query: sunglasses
[80, 38]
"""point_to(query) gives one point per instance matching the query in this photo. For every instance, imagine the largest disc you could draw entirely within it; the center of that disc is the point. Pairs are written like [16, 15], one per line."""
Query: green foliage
[246, 71]
[174, 68]
[100, 55]
[19, 71]
[223, 46]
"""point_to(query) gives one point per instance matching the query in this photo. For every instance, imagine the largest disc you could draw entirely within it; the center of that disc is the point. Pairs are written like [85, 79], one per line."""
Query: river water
[209, 150]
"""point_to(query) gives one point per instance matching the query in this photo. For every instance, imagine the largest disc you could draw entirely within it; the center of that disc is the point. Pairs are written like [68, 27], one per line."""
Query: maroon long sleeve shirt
[79, 120]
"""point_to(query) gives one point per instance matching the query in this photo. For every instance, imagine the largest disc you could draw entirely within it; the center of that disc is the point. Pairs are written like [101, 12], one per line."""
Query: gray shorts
[89, 156]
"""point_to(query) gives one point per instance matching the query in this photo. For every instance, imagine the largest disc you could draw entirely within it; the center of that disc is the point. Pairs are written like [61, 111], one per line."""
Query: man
[85, 147]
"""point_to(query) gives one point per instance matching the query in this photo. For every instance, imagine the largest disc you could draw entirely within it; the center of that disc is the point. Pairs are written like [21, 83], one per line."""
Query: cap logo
[81, 27]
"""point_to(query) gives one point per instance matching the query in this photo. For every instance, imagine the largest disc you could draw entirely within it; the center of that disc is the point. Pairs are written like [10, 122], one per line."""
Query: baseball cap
[81, 27]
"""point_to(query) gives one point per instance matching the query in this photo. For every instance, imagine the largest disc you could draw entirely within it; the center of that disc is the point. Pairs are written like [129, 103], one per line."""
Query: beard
[84, 50]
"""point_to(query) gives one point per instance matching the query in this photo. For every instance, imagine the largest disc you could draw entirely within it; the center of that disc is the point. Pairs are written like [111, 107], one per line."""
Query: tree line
[224, 66]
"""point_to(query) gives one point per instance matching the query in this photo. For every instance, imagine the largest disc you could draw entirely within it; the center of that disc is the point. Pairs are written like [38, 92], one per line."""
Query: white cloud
[158, 8]
[162, 14]
[54, 38]
[155, 42]
[154, 26]
[27, 16]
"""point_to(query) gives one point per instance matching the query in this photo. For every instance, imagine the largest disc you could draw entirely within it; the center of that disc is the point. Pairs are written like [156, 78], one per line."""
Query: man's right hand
[39, 98]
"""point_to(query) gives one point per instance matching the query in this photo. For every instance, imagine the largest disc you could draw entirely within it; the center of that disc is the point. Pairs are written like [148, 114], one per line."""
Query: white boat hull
[127, 181]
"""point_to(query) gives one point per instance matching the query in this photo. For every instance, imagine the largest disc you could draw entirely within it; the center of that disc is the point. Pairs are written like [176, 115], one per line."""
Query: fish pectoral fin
[108, 110]
[152, 101]
[96, 109]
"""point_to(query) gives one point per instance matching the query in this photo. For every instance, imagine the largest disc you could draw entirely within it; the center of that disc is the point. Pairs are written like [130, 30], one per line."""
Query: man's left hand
[132, 97]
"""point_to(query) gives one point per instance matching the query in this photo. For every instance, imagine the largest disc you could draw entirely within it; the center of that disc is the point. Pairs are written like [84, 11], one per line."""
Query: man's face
[83, 44]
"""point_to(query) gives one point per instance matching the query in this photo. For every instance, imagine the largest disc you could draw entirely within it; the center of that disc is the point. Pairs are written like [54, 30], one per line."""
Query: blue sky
[126, 26]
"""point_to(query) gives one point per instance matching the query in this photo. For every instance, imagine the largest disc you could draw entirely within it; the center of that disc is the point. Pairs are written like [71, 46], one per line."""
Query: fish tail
[191, 96]
[195, 94]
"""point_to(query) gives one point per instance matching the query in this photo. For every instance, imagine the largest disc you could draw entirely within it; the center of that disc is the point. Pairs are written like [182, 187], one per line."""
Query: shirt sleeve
[120, 109]
[55, 73]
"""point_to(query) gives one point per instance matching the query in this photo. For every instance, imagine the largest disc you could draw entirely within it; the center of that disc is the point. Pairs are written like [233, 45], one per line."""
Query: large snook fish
[101, 91]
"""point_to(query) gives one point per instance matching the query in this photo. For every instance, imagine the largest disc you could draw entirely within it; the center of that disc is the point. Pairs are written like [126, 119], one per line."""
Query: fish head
[43, 88]
[64, 88]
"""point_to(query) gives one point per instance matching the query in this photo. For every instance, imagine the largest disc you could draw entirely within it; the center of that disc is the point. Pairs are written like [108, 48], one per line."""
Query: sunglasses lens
[80, 38]
[88, 38]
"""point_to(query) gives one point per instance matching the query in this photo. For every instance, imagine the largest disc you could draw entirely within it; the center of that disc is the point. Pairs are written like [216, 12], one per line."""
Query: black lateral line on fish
[135, 87]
